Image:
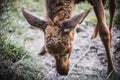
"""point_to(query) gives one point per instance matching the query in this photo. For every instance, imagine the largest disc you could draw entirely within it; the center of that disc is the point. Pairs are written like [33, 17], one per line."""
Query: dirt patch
[93, 63]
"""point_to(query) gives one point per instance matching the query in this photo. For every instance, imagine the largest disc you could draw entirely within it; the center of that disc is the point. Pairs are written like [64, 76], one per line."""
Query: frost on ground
[92, 63]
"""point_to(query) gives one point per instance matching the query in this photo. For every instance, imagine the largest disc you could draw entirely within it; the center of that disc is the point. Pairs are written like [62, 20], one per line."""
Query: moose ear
[69, 24]
[34, 20]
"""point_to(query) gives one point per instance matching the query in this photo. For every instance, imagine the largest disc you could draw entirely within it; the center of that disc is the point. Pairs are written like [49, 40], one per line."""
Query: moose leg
[43, 51]
[112, 6]
[94, 35]
[105, 37]
[103, 31]
[95, 31]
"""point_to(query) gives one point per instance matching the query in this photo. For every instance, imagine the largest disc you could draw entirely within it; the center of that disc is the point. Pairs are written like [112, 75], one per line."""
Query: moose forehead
[53, 31]
[55, 35]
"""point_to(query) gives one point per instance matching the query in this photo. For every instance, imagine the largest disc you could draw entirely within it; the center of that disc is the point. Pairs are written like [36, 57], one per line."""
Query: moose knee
[105, 37]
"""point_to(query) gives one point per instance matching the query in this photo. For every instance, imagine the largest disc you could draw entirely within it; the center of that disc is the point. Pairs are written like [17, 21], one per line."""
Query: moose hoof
[93, 36]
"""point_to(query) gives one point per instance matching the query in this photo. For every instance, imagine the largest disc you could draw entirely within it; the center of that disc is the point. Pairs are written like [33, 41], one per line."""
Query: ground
[87, 61]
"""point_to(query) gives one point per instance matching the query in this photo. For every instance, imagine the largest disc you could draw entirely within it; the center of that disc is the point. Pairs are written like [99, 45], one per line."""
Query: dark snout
[62, 71]
[62, 64]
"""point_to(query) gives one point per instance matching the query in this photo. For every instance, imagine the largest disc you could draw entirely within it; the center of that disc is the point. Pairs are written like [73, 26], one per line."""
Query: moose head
[58, 37]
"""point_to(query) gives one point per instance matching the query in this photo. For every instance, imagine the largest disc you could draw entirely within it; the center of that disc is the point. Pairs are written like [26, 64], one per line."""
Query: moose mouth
[62, 64]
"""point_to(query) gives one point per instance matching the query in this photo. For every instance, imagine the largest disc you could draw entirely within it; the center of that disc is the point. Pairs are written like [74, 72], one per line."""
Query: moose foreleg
[112, 6]
[103, 31]
[105, 37]
[95, 31]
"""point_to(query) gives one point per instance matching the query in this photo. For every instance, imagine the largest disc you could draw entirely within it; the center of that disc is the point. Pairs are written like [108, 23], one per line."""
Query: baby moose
[58, 30]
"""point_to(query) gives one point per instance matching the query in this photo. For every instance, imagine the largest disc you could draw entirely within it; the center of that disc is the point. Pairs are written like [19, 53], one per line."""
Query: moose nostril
[63, 72]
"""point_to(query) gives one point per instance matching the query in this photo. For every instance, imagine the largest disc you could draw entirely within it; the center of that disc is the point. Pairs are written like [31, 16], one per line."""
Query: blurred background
[18, 60]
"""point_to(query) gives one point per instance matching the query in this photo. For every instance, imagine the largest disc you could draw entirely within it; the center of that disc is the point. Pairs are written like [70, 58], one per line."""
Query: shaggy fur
[59, 28]
[58, 10]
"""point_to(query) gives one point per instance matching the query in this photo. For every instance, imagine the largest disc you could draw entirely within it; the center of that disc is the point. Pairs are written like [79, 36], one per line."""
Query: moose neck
[58, 10]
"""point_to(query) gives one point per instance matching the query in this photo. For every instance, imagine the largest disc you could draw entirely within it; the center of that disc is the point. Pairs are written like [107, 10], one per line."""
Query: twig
[90, 44]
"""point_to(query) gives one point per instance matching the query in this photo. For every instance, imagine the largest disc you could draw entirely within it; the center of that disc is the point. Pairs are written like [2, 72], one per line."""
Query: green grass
[15, 62]
[91, 18]
[117, 19]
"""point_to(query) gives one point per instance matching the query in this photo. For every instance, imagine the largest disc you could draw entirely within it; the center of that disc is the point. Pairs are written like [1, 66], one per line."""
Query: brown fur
[59, 29]
[58, 10]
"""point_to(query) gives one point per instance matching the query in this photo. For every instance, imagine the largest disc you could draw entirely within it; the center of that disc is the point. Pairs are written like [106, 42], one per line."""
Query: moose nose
[63, 71]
